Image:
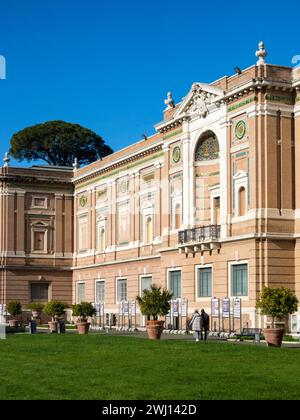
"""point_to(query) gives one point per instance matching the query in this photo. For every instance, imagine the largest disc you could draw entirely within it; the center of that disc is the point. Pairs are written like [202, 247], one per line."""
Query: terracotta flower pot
[53, 326]
[273, 336]
[13, 323]
[155, 329]
[83, 327]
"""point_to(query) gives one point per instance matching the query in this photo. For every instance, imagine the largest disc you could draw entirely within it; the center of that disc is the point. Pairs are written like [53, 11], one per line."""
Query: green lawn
[112, 367]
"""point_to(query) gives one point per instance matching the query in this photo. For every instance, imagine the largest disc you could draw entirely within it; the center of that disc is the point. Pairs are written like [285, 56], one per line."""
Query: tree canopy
[154, 302]
[58, 143]
[277, 302]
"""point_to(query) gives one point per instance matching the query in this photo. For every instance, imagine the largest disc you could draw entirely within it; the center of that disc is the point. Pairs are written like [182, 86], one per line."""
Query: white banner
[215, 308]
[125, 308]
[175, 307]
[237, 308]
[184, 308]
[133, 308]
[226, 308]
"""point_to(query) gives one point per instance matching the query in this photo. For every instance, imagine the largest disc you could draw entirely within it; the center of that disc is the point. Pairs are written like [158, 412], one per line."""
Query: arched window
[242, 201]
[102, 240]
[207, 148]
[149, 230]
[177, 216]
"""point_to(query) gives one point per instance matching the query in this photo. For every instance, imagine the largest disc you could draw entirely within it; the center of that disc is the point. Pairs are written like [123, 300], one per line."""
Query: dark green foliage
[36, 306]
[83, 310]
[58, 143]
[155, 302]
[55, 309]
[277, 302]
[14, 308]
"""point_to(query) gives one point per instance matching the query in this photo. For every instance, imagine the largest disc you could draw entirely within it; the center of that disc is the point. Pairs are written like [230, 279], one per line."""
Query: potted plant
[55, 309]
[83, 311]
[36, 309]
[153, 303]
[14, 309]
[276, 302]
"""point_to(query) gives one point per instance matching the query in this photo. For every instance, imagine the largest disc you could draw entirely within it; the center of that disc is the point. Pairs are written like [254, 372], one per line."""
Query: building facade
[208, 207]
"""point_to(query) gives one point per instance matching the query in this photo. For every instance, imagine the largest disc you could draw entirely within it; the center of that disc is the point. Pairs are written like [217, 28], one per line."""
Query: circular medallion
[123, 186]
[83, 200]
[240, 130]
[176, 154]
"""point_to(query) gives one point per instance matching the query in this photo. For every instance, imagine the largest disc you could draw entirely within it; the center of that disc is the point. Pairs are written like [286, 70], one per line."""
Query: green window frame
[175, 283]
[121, 290]
[80, 292]
[146, 282]
[239, 280]
[100, 291]
[204, 282]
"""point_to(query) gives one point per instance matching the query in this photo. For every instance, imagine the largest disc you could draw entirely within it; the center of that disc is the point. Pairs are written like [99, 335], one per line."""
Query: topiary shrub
[55, 309]
[83, 311]
[14, 308]
[155, 302]
[277, 302]
[36, 306]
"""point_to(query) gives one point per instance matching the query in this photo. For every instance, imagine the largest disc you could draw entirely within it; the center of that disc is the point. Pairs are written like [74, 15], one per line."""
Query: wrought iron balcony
[199, 235]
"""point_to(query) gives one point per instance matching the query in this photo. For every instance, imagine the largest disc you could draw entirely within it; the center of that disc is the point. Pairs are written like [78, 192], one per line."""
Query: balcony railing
[200, 234]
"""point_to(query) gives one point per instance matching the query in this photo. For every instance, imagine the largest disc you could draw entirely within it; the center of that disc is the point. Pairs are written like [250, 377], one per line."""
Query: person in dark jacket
[205, 324]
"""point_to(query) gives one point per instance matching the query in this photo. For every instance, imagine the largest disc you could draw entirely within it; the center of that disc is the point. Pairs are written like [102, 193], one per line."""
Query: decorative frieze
[241, 104]
[283, 99]
[173, 134]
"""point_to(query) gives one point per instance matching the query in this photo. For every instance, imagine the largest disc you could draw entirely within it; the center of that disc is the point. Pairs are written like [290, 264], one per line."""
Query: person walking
[204, 324]
[196, 324]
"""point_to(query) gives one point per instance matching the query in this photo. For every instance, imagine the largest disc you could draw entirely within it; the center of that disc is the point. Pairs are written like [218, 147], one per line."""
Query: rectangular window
[82, 234]
[39, 202]
[38, 241]
[239, 280]
[100, 287]
[175, 283]
[80, 292]
[217, 210]
[146, 282]
[121, 290]
[204, 282]
[39, 292]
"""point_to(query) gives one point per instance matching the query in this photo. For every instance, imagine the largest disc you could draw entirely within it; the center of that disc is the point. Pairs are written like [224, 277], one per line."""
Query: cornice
[21, 179]
[118, 165]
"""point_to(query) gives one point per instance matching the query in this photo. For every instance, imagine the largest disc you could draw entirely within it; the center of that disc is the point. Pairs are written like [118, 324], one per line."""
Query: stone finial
[75, 164]
[261, 53]
[6, 160]
[169, 101]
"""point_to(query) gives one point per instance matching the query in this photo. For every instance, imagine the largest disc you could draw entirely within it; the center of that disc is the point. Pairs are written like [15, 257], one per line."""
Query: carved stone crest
[199, 102]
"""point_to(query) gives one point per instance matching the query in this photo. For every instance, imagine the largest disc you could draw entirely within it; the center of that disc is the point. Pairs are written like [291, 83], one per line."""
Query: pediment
[240, 174]
[198, 100]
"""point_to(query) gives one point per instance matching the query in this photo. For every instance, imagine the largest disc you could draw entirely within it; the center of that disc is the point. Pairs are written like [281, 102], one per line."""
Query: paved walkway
[182, 337]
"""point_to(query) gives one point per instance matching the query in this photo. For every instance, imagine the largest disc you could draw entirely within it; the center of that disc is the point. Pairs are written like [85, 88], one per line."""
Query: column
[20, 246]
[188, 180]
[166, 196]
[75, 239]
[137, 238]
[68, 225]
[224, 156]
[158, 197]
[93, 219]
[58, 242]
[131, 191]
[297, 159]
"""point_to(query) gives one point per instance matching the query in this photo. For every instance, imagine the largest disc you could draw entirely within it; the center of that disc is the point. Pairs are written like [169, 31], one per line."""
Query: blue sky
[108, 65]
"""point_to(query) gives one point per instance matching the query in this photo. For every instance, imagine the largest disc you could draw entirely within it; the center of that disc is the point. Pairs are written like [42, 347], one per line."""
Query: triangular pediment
[199, 98]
